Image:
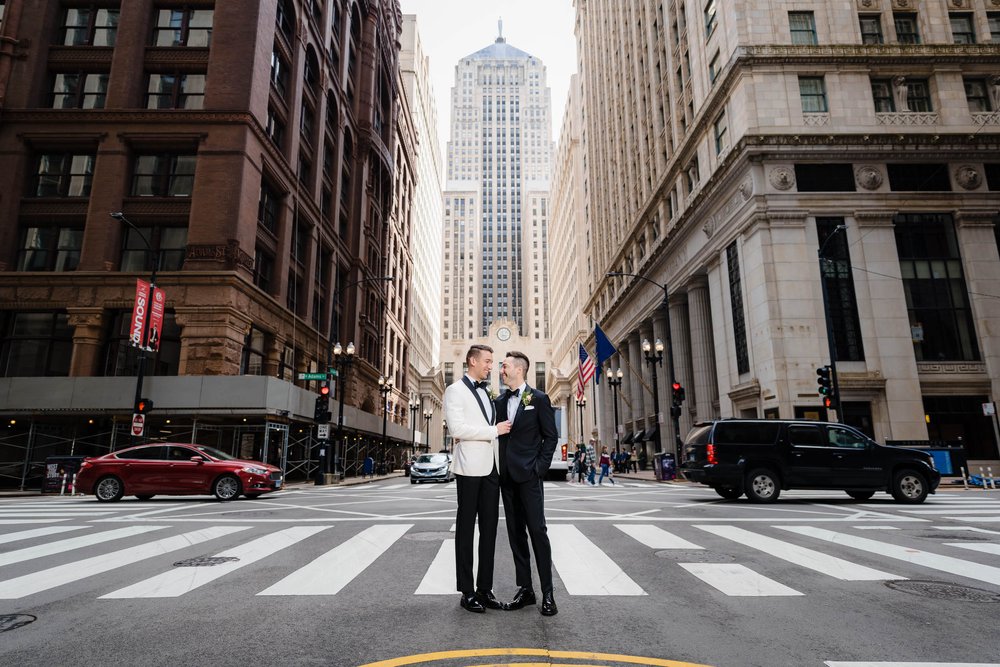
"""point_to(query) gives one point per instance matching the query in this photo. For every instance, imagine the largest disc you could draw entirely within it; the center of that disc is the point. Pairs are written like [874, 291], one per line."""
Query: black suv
[760, 457]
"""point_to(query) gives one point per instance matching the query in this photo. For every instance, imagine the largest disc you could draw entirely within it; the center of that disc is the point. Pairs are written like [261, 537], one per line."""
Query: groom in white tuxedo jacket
[471, 417]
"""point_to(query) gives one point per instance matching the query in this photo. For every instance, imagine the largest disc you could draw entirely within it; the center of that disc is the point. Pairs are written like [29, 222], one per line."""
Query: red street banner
[139, 313]
[156, 319]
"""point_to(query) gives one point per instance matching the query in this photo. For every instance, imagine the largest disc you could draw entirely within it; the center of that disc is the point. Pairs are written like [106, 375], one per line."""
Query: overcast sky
[453, 29]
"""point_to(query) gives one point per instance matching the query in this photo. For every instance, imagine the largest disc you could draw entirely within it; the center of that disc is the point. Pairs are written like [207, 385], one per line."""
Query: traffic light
[824, 381]
[678, 391]
[143, 406]
[324, 388]
[322, 414]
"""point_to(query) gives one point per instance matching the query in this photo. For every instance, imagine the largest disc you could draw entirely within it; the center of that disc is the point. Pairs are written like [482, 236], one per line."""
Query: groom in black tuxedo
[525, 457]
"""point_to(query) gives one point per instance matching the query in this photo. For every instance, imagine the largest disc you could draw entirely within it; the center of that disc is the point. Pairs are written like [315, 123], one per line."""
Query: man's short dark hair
[475, 351]
[522, 361]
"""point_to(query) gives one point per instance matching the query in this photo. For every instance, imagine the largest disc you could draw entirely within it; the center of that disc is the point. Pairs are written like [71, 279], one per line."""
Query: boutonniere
[492, 393]
[526, 397]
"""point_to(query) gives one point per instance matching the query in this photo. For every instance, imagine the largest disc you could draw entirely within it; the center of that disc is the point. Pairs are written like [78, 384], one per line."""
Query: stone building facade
[728, 143]
[252, 144]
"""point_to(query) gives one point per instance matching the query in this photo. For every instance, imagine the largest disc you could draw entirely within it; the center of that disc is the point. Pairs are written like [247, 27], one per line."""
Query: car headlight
[255, 471]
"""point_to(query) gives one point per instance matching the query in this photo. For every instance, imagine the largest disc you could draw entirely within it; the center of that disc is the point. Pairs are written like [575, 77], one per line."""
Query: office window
[175, 91]
[937, 298]
[183, 27]
[871, 28]
[285, 20]
[121, 357]
[713, 68]
[994, 21]
[963, 30]
[918, 177]
[836, 272]
[63, 175]
[721, 127]
[803, 27]
[163, 175]
[263, 270]
[254, 352]
[882, 96]
[824, 177]
[49, 248]
[35, 344]
[268, 207]
[279, 73]
[812, 91]
[736, 302]
[540, 375]
[140, 245]
[710, 18]
[907, 31]
[79, 90]
[89, 26]
[977, 95]
[918, 95]
[275, 128]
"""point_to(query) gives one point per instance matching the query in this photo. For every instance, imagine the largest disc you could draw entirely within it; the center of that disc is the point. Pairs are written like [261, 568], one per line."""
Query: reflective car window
[746, 433]
[142, 453]
[808, 436]
[215, 453]
[841, 437]
[181, 454]
[433, 458]
[698, 435]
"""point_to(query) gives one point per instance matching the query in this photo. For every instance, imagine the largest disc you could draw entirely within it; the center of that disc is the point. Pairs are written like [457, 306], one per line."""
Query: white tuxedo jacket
[477, 449]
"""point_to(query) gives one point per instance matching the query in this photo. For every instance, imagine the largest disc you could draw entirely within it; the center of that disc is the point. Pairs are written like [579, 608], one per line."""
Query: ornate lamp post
[615, 381]
[343, 359]
[581, 403]
[444, 425]
[654, 357]
[414, 407]
[384, 388]
[427, 426]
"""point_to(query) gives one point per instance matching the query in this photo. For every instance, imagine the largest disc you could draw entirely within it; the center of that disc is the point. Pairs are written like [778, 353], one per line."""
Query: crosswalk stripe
[60, 575]
[584, 568]
[20, 522]
[440, 577]
[874, 527]
[808, 558]
[181, 580]
[48, 515]
[37, 532]
[963, 568]
[951, 510]
[737, 580]
[984, 547]
[329, 573]
[41, 550]
[655, 537]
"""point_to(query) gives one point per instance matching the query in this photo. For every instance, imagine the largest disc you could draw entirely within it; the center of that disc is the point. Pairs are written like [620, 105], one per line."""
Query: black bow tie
[482, 385]
[512, 393]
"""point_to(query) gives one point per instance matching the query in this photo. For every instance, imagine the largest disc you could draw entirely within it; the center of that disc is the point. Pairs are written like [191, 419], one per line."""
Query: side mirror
[197, 459]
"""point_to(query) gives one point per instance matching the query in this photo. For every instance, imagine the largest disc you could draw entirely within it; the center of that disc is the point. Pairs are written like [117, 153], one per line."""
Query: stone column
[703, 391]
[636, 390]
[87, 326]
[625, 400]
[680, 327]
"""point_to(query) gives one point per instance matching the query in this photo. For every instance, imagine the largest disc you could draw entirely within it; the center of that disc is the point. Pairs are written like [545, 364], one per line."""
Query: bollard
[982, 476]
[965, 479]
[72, 486]
[62, 485]
[989, 474]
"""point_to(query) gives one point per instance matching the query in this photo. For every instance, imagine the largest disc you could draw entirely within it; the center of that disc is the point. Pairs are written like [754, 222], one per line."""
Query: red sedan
[175, 469]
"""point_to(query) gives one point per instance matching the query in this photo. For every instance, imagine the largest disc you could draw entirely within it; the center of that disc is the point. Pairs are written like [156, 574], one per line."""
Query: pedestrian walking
[605, 464]
[635, 460]
[581, 463]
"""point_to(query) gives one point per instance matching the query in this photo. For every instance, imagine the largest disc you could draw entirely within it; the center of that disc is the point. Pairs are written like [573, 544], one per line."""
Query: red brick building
[249, 142]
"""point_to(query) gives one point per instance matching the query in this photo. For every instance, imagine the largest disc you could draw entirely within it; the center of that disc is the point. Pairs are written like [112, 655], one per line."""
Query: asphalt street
[646, 573]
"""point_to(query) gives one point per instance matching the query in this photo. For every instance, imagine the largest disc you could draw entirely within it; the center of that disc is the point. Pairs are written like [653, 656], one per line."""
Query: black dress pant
[525, 516]
[478, 497]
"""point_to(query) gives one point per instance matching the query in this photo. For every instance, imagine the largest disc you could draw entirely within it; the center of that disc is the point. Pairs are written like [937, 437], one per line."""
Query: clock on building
[503, 333]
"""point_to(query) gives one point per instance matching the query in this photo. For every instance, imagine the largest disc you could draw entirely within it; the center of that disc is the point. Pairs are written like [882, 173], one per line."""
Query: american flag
[587, 370]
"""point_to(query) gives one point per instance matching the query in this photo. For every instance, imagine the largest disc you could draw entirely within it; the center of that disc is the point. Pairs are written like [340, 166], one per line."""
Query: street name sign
[312, 376]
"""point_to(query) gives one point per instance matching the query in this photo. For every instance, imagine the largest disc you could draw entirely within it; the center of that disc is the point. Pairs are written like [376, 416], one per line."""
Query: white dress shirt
[513, 401]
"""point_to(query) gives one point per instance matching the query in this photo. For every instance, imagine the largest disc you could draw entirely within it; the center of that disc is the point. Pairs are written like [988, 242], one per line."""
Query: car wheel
[909, 486]
[109, 489]
[762, 486]
[226, 487]
[413, 481]
[145, 496]
[861, 495]
[252, 496]
[729, 492]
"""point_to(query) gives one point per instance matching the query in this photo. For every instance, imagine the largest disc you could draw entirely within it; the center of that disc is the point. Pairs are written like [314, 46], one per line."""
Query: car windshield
[433, 458]
[214, 453]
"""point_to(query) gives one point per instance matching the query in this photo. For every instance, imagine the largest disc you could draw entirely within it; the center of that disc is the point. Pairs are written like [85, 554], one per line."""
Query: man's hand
[503, 428]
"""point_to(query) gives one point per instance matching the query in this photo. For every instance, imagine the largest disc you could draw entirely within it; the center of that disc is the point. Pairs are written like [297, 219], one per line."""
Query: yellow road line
[545, 653]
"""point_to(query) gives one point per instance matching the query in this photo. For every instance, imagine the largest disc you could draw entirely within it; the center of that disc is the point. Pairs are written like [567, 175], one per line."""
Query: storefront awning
[627, 440]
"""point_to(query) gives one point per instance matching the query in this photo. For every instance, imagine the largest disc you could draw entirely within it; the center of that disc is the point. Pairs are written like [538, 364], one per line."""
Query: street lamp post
[427, 426]
[444, 427]
[141, 373]
[665, 307]
[581, 404]
[414, 407]
[384, 388]
[830, 340]
[654, 357]
[344, 358]
[615, 380]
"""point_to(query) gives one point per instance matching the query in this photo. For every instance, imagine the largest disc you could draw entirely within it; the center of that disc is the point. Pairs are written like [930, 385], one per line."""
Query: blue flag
[604, 348]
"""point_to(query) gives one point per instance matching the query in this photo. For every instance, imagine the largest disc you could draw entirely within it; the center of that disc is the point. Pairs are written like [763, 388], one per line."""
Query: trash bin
[56, 467]
[665, 468]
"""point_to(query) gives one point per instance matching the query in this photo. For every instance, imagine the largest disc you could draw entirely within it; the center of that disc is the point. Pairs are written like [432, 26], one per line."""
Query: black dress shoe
[549, 605]
[470, 603]
[523, 598]
[488, 600]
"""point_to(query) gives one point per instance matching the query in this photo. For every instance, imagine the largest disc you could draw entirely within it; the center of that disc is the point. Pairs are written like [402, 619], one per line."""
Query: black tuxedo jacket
[526, 452]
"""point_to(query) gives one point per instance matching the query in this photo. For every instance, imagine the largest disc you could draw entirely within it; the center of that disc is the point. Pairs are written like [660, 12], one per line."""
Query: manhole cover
[15, 621]
[206, 561]
[694, 556]
[430, 536]
[939, 590]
